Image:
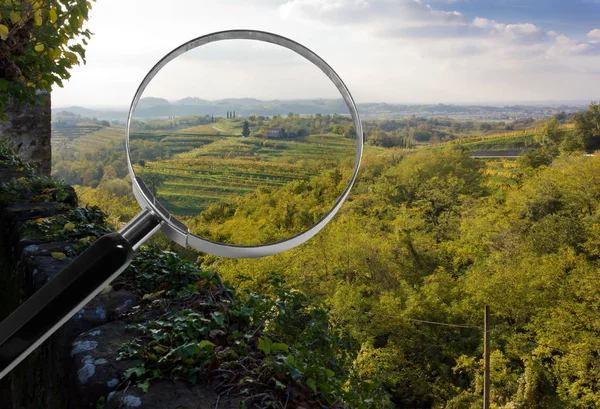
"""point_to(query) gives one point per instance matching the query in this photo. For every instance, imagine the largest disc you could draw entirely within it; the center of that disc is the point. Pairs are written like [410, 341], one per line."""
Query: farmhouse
[275, 133]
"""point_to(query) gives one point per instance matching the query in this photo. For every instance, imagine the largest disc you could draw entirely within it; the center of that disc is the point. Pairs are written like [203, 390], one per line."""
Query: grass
[230, 126]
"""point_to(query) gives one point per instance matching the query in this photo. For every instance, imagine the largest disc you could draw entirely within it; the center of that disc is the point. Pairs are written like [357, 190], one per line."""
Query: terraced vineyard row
[499, 139]
[72, 131]
[203, 169]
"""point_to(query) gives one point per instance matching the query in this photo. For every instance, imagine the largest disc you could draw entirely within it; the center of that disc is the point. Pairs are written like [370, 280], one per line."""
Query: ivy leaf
[310, 382]
[207, 345]
[39, 47]
[187, 350]
[265, 344]
[294, 373]
[279, 347]
[137, 370]
[3, 32]
[144, 386]
[58, 255]
[218, 317]
[69, 226]
[278, 384]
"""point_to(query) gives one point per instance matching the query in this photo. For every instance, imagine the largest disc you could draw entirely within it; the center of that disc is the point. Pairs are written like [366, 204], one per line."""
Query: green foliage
[551, 134]
[246, 129]
[40, 40]
[427, 238]
[79, 226]
[256, 345]
[118, 209]
[587, 125]
[537, 158]
[11, 159]
[424, 242]
[32, 186]
[154, 269]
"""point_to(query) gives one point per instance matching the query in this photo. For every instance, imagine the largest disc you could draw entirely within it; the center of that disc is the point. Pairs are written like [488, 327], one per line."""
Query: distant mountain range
[161, 108]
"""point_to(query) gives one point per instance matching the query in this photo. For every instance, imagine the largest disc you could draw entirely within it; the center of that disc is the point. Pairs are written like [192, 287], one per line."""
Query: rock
[105, 307]
[169, 395]
[97, 372]
[218, 337]
[19, 213]
[42, 267]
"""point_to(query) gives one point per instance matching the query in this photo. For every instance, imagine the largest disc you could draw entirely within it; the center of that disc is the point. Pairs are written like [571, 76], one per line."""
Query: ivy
[79, 226]
[265, 350]
[9, 156]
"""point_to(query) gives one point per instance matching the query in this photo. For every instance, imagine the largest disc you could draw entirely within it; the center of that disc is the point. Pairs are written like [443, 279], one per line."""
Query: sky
[394, 51]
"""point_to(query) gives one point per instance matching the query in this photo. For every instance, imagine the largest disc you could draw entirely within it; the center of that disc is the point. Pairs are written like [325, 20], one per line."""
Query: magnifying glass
[240, 144]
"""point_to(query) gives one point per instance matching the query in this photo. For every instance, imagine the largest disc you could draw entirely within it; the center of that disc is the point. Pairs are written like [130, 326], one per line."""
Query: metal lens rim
[179, 232]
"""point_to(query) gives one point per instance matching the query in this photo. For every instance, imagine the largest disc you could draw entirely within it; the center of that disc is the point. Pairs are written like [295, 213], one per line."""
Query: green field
[202, 168]
[62, 133]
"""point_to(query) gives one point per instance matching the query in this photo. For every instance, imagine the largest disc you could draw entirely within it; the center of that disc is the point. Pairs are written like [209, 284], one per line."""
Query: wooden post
[486, 358]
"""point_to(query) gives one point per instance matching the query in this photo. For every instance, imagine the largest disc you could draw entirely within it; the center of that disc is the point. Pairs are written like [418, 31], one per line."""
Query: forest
[428, 237]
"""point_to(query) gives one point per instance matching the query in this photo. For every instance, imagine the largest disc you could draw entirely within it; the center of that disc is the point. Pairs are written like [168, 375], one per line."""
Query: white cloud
[385, 50]
[387, 14]
[482, 56]
[433, 29]
[564, 46]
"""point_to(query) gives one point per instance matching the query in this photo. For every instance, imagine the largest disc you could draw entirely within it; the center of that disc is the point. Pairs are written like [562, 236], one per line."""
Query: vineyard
[500, 172]
[191, 168]
[505, 140]
[202, 169]
[69, 132]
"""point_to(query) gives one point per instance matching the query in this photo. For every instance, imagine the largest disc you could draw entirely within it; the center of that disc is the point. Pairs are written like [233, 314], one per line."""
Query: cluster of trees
[309, 124]
[172, 123]
[555, 141]
[407, 133]
[422, 244]
[105, 166]
[417, 252]
[65, 117]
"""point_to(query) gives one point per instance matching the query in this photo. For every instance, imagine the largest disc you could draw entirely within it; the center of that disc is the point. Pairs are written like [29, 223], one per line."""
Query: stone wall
[76, 368]
[29, 128]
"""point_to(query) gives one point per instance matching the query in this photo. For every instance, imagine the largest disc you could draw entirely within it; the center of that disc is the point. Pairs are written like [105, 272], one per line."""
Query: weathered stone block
[29, 128]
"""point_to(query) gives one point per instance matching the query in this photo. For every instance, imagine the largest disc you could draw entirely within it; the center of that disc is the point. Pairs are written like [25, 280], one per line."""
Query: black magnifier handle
[70, 290]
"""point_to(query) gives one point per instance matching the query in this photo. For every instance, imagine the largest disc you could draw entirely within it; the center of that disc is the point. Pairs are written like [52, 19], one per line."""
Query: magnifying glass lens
[246, 143]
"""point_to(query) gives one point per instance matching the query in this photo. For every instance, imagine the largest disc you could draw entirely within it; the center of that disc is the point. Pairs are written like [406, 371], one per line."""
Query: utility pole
[486, 358]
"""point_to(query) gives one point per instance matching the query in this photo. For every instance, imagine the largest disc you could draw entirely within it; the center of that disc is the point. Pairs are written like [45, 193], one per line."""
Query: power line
[444, 324]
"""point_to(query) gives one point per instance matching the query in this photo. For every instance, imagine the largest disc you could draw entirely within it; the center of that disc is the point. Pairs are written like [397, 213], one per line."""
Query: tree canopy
[40, 40]
[587, 124]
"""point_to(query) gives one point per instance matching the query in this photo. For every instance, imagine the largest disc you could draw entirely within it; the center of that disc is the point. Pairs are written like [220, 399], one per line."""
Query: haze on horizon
[394, 51]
